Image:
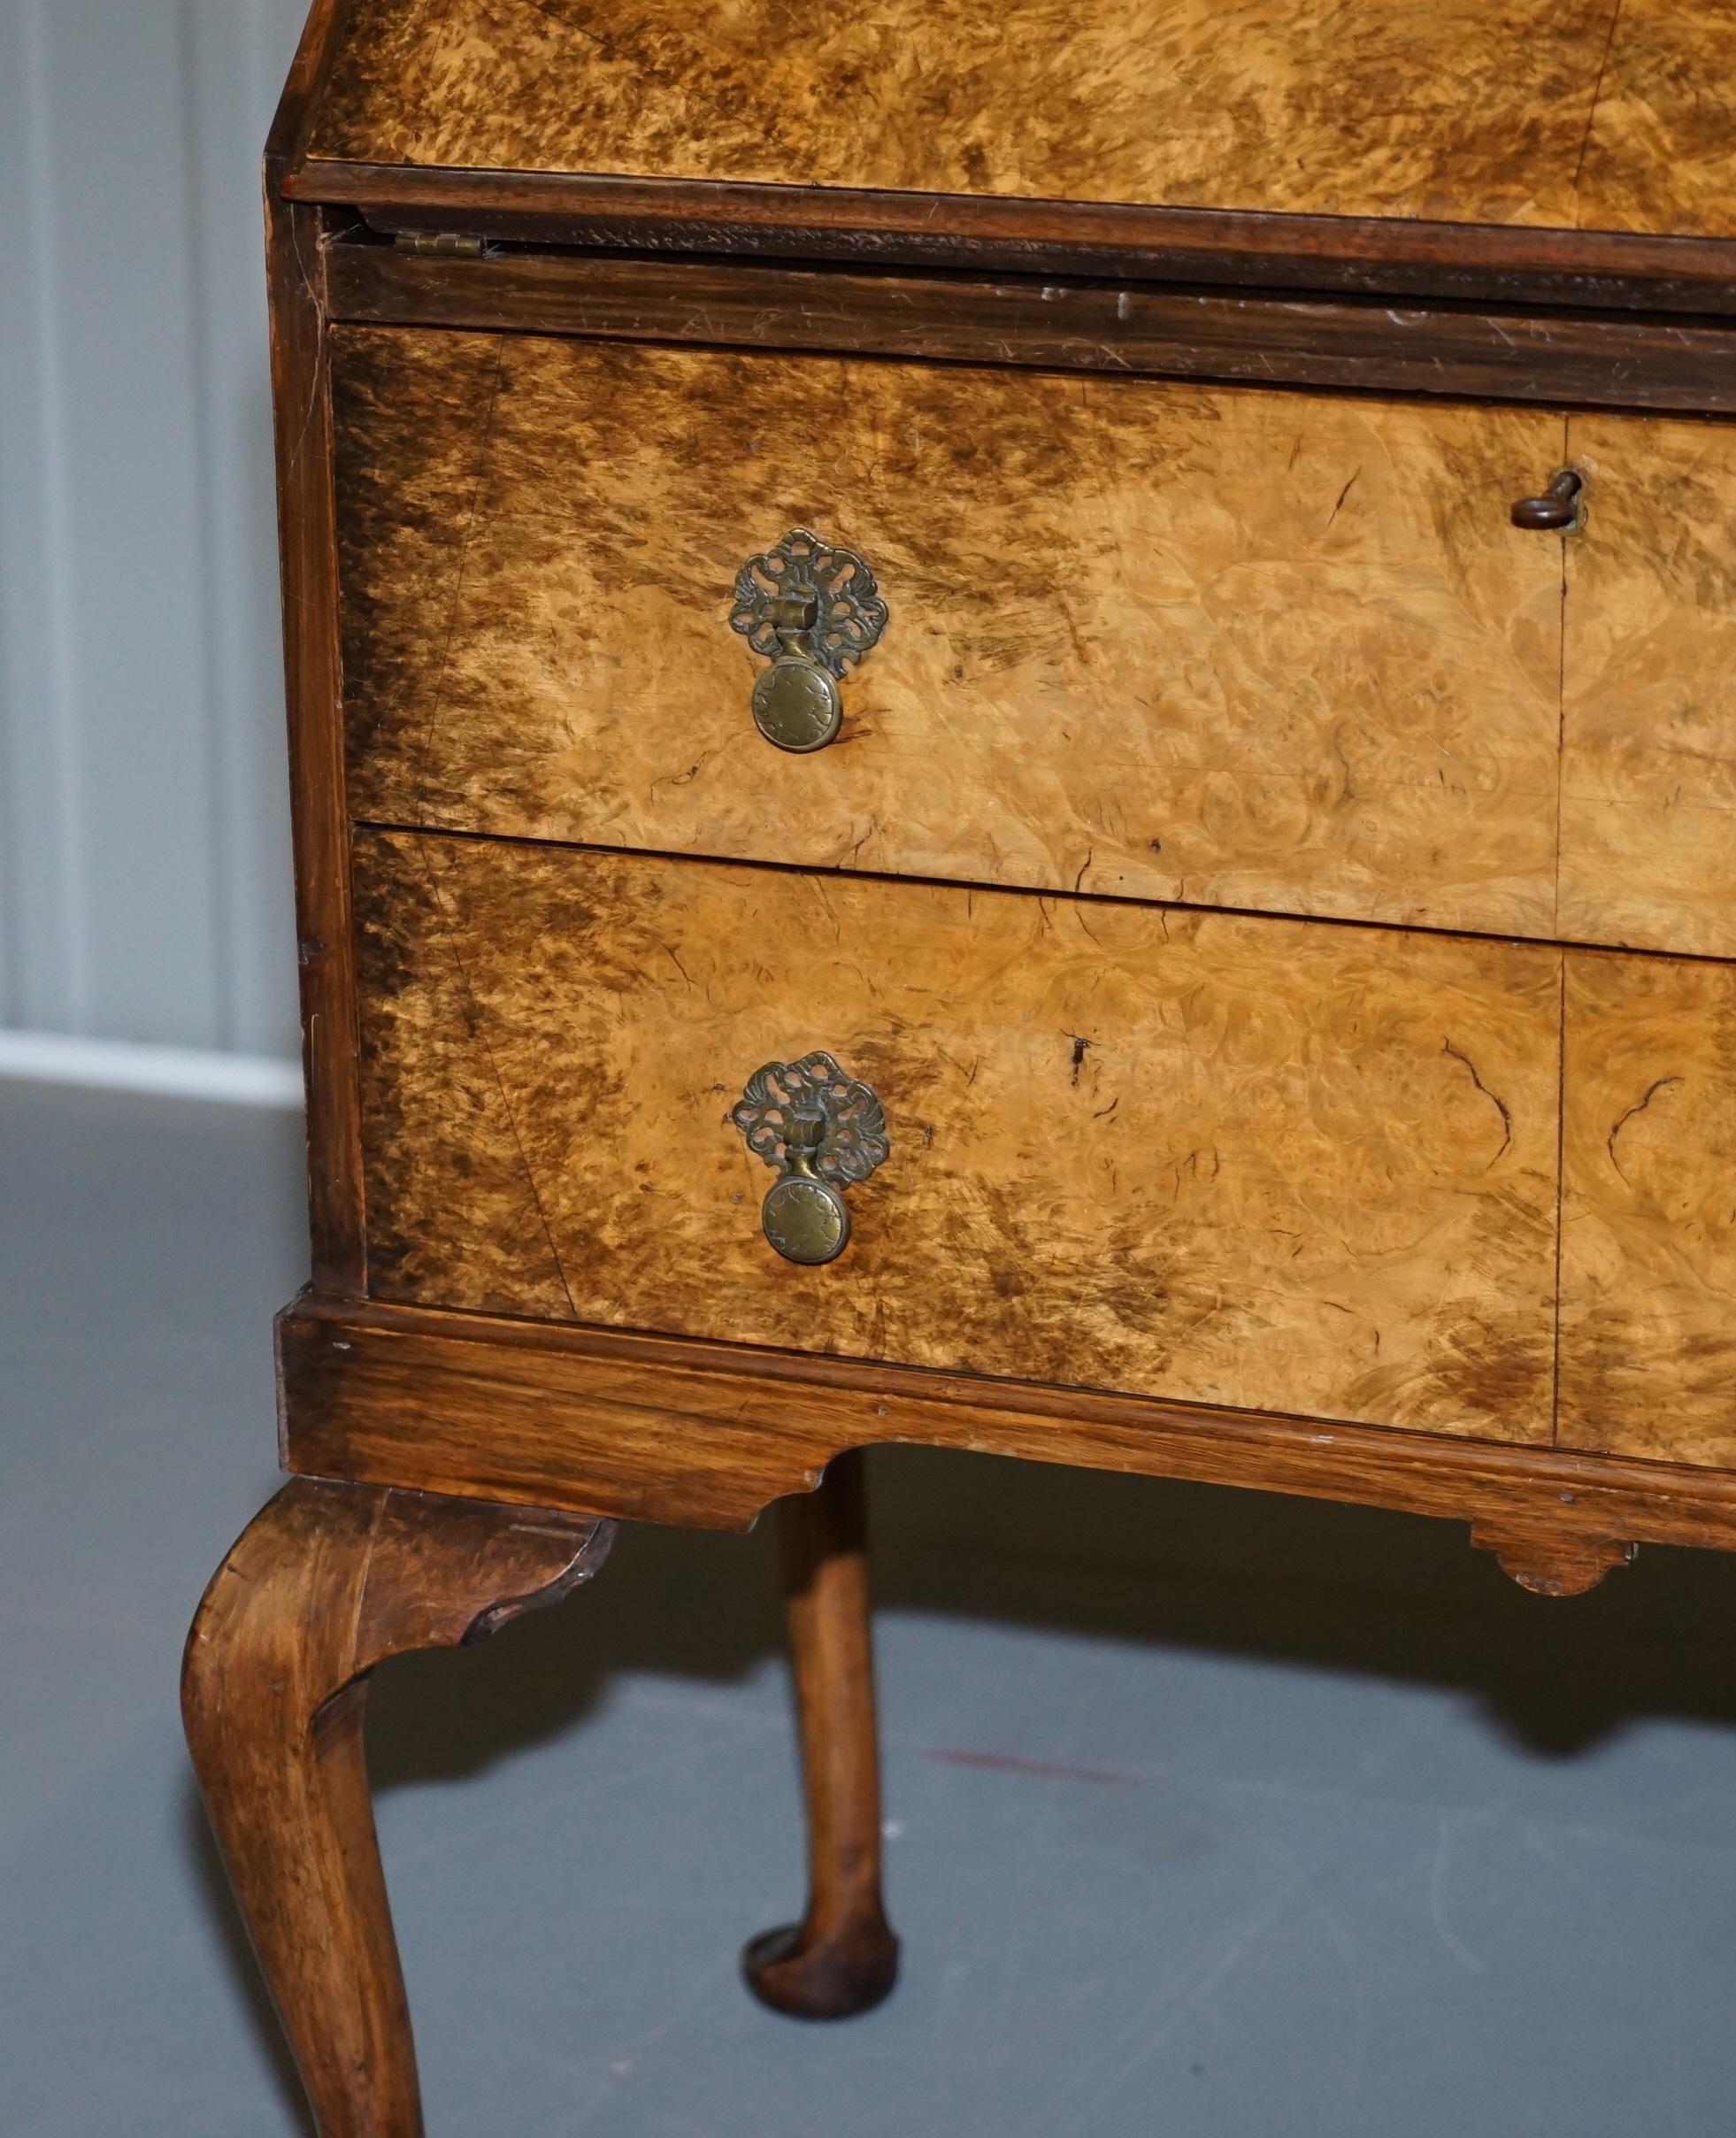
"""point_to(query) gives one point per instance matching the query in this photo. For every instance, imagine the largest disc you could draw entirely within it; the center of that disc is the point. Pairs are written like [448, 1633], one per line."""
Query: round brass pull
[1561, 506]
[823, 1130]
[811, 608]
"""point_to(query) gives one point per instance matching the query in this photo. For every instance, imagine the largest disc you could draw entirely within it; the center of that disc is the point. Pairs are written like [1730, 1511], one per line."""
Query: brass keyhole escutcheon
[823, 1130]
[812, 608]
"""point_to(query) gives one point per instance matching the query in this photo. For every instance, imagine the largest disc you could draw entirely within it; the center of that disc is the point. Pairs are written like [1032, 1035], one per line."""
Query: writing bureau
[1010, 728]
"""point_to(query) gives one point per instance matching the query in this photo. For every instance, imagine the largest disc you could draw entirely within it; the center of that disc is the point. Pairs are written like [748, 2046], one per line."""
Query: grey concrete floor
[1210, 1815]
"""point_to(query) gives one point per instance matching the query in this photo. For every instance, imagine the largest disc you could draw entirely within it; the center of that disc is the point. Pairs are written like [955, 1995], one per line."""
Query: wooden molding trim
[1615, 361]
[708, 1435]
[1378, 255]
[295, 257]
[1549, 1565]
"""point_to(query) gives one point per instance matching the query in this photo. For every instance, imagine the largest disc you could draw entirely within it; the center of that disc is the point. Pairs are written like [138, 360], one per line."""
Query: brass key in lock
[813, 609]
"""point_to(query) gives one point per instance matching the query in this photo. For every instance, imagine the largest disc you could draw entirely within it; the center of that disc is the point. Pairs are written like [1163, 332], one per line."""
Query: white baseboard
[187, 1072]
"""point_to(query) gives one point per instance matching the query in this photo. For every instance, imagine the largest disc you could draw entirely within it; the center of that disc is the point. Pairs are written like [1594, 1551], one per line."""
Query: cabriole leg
[327, 1581]
[842, 1958]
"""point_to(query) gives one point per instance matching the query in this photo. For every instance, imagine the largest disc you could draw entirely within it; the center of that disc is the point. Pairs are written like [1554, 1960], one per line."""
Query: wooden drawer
[1263, 1163]
[1648, 1215]
[1275, 651]
[1648, 712]
[1225, 646]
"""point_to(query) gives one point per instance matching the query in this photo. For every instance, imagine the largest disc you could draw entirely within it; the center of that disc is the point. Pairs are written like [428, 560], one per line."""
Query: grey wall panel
[143, 848]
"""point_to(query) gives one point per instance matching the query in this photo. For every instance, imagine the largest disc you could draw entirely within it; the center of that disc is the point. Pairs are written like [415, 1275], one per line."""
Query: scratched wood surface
[1228, 647]
[1549, 112]
[1649, 1218]
[1218, 1158]
[1649, 727]
[1660, 153]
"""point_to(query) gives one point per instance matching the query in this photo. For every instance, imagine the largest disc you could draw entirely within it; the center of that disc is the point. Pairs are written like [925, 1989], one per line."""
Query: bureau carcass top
[1582, 147]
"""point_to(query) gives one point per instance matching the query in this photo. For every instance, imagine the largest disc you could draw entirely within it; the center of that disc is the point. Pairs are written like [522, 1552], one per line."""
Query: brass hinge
[450, 244]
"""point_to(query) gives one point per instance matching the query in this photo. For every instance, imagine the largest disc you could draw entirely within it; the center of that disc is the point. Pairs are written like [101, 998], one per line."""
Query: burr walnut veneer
[1049, 768]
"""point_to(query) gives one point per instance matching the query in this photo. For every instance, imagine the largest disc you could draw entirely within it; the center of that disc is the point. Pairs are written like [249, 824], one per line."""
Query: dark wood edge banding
[322, 34]
[708, 1435]
[295, 257]
[297, 237]
[1617, 361]
[1510, 263]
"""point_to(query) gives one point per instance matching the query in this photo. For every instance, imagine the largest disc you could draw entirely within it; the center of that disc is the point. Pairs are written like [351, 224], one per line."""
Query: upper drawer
[1232, 648]
[1223, 647]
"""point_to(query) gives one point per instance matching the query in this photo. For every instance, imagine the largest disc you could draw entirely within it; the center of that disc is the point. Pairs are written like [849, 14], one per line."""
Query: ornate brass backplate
[812, 608]
[823, 1130]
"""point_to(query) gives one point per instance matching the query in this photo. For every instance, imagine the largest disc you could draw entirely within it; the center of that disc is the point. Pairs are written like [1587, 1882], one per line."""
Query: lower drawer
[1306, 1166]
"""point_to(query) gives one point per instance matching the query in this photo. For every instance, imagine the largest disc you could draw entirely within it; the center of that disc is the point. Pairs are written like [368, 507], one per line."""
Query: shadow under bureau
[1011, 733]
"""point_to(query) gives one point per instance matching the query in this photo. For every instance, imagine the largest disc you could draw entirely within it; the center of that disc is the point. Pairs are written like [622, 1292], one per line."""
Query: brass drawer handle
[823, 1130]
[810, 609]
[1562, 505]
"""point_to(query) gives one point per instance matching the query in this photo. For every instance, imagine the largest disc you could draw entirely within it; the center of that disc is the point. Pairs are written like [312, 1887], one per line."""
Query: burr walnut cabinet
[1011, 728]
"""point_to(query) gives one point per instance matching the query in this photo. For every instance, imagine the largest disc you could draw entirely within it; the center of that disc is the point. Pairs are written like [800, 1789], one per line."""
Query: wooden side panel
[1649, 732]
[1469, 110]
[1648, 1220]
[301, 399]
[1227, 1160]
[1225, 647]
